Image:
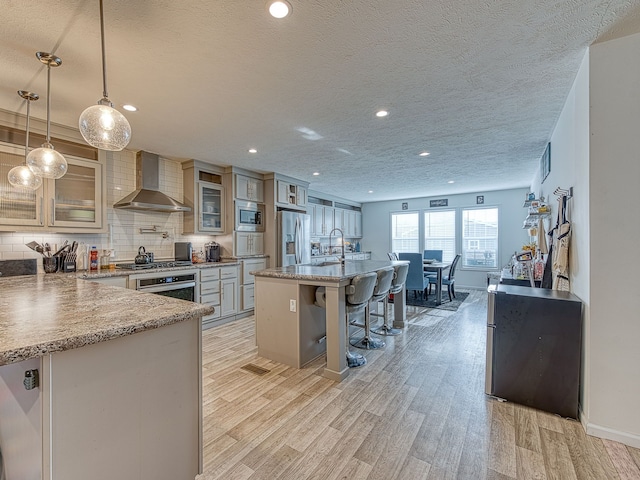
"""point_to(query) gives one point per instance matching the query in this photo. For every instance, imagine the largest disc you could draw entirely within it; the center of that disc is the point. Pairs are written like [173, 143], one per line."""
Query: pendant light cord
[104, 56]
[48, 100]
[26, 148]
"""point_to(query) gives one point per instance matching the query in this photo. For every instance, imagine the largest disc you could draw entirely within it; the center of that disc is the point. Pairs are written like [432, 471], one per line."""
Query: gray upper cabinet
[204, 194]
[291, 195]
[248, 188]
[73, 203]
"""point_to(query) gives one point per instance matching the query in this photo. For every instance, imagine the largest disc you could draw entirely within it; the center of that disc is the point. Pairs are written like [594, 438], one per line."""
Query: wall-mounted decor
[545, 163]
[479, 199]
[443, 202]
[405, 205]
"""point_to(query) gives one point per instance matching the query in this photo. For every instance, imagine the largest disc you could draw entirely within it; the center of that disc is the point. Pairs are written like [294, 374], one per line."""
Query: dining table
[438, 268]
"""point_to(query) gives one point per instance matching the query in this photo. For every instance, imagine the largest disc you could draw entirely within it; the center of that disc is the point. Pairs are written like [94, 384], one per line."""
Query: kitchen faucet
[342, 259]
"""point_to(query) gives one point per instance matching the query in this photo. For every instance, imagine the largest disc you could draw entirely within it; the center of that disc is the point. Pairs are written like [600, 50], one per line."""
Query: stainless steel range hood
[147, 196]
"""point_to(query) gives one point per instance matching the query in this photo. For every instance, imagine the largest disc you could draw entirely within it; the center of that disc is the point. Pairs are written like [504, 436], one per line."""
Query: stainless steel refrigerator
[294, 238]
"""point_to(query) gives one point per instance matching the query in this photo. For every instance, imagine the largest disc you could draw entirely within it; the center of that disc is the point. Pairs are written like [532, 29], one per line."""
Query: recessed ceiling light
[370, 191]
[424, 154]
[315, 174]
[253, 150]
[279, 8]
[130, 108]
[382, 113]
[451, 181]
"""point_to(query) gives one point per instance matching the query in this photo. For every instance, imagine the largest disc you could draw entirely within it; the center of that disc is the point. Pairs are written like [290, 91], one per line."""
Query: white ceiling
[479, 84]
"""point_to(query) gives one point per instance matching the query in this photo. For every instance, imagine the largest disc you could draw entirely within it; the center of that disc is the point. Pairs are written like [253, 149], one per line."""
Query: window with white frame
[479, 237]
[440, 232]
[405, 228]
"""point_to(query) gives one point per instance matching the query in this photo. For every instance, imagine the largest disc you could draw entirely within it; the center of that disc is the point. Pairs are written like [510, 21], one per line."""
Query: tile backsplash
[124, 234]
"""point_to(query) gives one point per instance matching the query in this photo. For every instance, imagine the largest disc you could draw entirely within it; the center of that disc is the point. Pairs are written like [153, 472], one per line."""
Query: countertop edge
[70, 343]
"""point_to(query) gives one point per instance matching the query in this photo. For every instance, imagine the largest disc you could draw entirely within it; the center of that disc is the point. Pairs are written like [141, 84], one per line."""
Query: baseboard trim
[630, 439]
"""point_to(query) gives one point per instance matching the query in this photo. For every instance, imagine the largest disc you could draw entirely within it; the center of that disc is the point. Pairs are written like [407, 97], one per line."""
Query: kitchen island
[118, 381]
[291, 329]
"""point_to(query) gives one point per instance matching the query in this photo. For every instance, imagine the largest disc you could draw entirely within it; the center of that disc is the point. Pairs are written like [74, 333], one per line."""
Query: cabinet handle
[41, 210]
[53, 211]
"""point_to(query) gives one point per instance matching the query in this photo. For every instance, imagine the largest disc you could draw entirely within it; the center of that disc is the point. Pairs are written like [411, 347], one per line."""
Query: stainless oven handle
[165, 287]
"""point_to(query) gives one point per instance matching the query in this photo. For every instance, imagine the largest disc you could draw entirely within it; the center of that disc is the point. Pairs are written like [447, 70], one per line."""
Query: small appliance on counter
[212, 251]
[182, 251]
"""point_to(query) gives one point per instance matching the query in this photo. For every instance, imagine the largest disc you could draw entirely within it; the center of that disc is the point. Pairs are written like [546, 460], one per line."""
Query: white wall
[376, 226]
[570, 168]
[594, 148]
[614, 171]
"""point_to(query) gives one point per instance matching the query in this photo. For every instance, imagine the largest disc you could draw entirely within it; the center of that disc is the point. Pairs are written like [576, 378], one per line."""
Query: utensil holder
[50, 264]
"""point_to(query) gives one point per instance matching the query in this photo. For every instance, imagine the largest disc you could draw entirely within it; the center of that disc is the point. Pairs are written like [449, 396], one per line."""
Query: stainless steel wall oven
[182, 286]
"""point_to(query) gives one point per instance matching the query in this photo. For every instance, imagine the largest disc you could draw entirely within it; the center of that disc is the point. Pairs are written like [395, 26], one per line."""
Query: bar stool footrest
[367, 343]
[386, 330]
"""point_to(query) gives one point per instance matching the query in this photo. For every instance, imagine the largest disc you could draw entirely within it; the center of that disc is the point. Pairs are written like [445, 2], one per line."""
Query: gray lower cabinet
[228, 290]
[247, 286]
[106, 411]
[218, 288]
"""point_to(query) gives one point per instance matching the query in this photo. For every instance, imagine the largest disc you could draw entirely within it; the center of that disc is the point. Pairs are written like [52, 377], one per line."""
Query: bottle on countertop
[81, 254]
[93, 259]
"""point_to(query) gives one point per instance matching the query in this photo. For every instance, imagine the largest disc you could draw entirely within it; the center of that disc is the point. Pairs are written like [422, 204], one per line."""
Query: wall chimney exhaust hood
[147, 195]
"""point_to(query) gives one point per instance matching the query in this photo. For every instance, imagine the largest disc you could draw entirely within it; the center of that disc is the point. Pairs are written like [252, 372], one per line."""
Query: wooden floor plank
[625, 465]
[391, 460]
[557, 460]
[355, 470]
[527, 433]
[413, 469]
[416, 411]
[502, 448]
[635, 454]
[276, 463]
[529, 464]
[589, 463]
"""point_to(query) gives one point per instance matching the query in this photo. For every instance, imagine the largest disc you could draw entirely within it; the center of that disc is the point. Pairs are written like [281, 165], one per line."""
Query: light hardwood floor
[417, 410]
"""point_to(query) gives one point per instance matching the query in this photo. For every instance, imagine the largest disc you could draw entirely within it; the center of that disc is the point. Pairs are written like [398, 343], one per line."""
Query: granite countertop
[123, 272]
[326, 272]
[322, 255]
[46, 313]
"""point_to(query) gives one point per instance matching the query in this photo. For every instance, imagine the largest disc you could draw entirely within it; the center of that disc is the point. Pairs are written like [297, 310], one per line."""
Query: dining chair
[433, 255]
[449, 280]
[392, 256]
[416, 278]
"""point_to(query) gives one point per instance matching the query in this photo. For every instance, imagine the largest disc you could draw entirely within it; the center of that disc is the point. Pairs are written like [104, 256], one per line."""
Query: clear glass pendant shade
[104, 127]
[22, 177]
[46, 162]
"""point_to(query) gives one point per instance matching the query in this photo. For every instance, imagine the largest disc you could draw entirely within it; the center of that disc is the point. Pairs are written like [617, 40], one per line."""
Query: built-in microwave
[249, 216]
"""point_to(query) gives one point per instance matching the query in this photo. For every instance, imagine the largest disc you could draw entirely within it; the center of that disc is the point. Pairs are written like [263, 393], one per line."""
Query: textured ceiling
[479, 84]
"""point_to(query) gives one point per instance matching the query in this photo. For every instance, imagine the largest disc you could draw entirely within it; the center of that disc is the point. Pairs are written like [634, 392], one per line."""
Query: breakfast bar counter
[98, 381]
[291, 329]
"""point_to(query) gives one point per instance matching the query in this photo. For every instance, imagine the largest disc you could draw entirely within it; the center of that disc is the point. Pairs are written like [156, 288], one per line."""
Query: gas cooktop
[149, 266]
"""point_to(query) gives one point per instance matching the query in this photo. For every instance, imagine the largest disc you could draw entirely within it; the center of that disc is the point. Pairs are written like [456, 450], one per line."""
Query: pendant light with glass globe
[101, 125]
[22, 176]
[45, 161]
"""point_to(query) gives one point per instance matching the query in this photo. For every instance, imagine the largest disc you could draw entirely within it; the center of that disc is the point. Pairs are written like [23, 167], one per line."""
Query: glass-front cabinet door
[210, 207]
[76, 200]
[17, 206]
